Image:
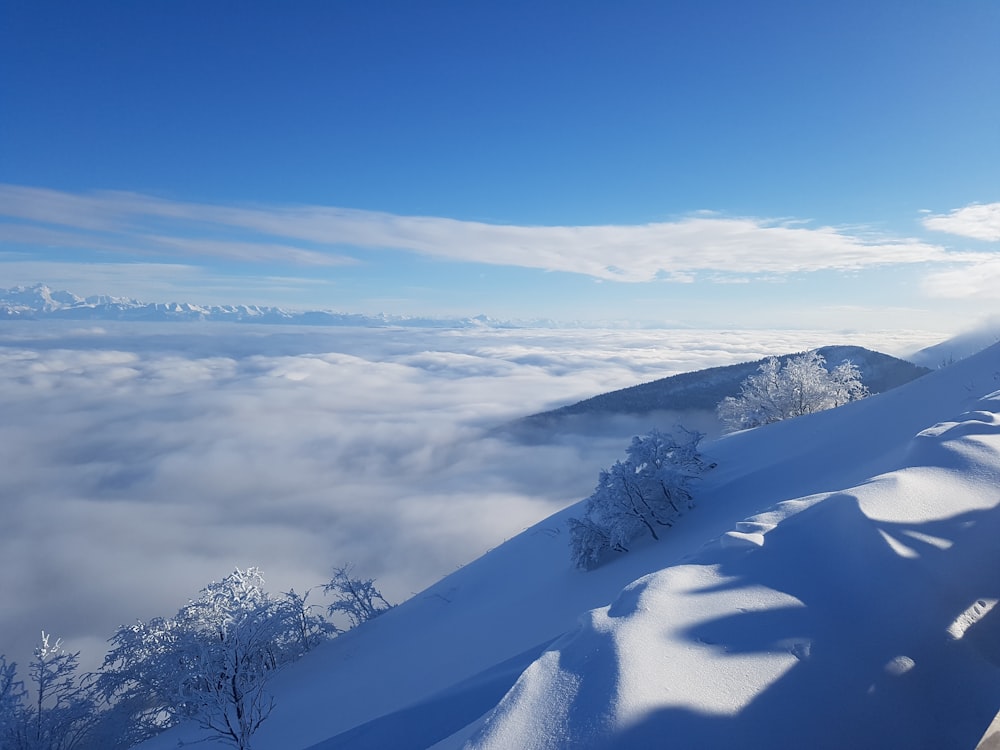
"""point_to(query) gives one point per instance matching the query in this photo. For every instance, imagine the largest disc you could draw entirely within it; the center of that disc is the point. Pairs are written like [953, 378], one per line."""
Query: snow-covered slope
[829, 622]
[833, 588]
[958, 347]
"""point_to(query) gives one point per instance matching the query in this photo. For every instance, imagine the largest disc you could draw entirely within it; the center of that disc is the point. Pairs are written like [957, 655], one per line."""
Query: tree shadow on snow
[877, 666]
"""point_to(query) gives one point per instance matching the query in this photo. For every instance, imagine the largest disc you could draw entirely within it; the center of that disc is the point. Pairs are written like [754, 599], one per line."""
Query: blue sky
[771, 164]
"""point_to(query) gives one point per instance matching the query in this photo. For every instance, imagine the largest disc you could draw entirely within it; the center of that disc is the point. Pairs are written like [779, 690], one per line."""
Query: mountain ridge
[702, 390]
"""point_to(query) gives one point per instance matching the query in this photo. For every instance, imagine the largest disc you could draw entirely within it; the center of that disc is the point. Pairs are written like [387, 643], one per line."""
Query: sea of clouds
[142, 461]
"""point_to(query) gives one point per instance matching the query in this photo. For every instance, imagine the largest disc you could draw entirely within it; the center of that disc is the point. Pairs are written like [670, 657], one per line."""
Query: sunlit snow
[807, 628]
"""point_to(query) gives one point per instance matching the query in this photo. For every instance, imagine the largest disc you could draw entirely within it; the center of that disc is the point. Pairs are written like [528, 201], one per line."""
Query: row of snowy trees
[209, 664]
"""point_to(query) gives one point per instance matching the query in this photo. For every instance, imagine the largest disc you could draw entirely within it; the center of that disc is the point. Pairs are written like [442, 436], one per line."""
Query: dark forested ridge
[702, 390]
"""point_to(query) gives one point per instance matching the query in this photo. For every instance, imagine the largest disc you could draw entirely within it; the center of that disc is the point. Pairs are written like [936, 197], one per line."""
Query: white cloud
[980, 221]
[978, 281]
[252, 252]
[310, 235]
[142, 461]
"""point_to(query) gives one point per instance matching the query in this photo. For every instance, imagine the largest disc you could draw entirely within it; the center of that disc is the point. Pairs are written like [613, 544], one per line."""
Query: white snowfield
[833, 588]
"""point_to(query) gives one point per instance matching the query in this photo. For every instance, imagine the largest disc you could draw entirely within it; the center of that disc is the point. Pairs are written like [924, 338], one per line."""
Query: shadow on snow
[877, 667]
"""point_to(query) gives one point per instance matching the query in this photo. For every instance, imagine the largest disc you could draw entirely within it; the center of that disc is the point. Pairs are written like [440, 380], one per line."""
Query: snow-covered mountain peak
[39, 297]
[39, 301]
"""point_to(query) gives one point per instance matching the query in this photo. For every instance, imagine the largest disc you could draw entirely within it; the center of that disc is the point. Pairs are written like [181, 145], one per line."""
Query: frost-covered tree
[140, 675]
[12, 696]
[589, 542]
[229, 644]
[303, 629]
[57, 712]
[647, 490]
[800, 385]
[122, 725]
[212, 661]
[358, 598]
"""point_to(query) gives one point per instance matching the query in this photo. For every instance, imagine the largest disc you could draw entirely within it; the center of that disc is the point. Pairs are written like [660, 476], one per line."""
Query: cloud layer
[143, 461]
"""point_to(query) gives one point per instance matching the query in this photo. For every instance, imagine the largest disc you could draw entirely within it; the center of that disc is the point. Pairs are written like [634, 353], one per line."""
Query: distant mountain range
[702, 390]
[40, 302]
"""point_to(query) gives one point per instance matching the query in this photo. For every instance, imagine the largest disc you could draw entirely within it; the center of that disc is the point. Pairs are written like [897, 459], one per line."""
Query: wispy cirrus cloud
[150, 244]
[323, 235]
[978, 221]
[251, 252]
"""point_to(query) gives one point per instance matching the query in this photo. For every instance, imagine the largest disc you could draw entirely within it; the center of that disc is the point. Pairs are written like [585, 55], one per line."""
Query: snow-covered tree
[140, 674]
[122, 725]
[57, 712]
[12, 697]
[303, 629]
[648, 490]
[212, 661]
[800, 385]
[228, 645]
[358, 598]
[589, 542]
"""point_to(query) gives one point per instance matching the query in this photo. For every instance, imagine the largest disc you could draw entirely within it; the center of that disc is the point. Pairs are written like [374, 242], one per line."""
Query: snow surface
[833, 588]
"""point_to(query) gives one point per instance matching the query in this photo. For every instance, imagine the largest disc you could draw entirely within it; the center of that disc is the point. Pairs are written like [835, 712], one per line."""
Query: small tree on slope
[358, 598]
[646, 491]
[802, 385]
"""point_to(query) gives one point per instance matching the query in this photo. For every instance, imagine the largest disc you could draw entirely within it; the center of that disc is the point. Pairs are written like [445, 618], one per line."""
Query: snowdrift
[834, 587]
[859, 618]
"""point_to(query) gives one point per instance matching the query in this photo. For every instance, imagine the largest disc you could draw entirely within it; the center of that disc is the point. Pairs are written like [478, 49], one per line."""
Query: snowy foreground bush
[209, 664]
[648, 489]
[800, 385]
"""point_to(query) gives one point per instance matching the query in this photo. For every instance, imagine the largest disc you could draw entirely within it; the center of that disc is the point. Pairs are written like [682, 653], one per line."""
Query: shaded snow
[814, 598]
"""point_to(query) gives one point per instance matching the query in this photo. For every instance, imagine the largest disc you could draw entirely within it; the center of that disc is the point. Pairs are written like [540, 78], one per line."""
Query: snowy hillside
[834, 587]
[958, 347]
